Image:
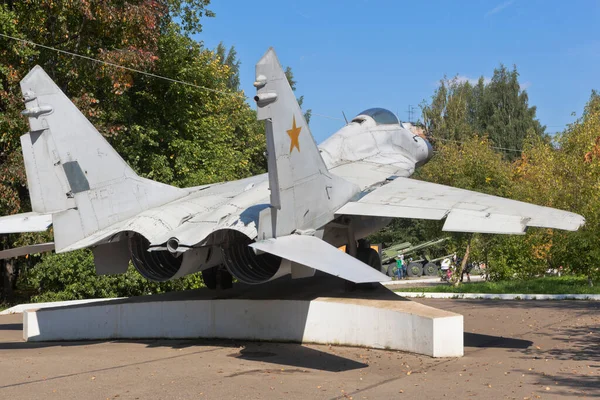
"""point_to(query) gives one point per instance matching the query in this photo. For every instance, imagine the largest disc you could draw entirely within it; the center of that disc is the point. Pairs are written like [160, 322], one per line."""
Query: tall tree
[178, 134]
[446, 118]
[568, 176]
[290, 77]
[229, 58]
[498, 109]
[501, 110]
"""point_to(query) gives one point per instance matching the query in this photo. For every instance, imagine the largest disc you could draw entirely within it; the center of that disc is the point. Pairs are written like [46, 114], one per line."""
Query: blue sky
[356, 54]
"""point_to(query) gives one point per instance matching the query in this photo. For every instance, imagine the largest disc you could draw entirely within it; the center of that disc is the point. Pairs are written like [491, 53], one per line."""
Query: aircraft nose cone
[429, 150]
[426, 153]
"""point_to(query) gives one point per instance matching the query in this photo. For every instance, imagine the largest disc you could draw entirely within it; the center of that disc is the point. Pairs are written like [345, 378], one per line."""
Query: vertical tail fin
[304, 195]
[73, 172]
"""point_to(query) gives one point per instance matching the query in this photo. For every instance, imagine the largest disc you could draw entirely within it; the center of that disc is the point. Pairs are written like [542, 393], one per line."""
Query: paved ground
[513, 349]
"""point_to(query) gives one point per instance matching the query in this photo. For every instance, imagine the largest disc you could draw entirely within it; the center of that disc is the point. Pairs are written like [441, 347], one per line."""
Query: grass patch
[545, 285]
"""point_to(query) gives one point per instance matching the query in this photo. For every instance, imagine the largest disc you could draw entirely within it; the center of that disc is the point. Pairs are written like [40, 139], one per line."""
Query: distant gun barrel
[406, 248]
[425, 245]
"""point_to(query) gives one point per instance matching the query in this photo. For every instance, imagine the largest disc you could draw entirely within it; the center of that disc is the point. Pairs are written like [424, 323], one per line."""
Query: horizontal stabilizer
[21, 251]
[315, 253]
[26, 222]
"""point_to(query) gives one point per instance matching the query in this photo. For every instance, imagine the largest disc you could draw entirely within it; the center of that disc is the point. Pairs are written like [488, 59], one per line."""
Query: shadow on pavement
[11, 327]
[578, 343]
[297, 356]
[572, 385]
[289, 354]
[479, 340]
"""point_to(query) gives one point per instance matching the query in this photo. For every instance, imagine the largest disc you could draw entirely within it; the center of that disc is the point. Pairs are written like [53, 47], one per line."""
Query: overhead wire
[463, 142]
[327, 116]
[233, 94]
[119, 66]
[88, 58]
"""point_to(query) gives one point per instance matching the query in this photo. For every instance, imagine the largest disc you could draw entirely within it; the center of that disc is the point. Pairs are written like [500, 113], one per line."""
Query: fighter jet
[289, 221]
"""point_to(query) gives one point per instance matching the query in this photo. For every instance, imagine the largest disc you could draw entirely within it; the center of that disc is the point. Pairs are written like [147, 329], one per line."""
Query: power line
[140, 71]
[119, 66]
[327, 116]
[463, 142]
[233, 94]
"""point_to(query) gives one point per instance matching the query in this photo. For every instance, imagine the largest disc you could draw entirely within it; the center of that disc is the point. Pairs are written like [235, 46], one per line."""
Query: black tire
[209, 276]
[370, 257]
[430, 269]
[414, 269]
[224, 279]
[217, 277]
[390, 270]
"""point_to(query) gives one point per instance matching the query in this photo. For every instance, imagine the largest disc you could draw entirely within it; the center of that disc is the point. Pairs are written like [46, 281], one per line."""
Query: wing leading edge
[464, 210]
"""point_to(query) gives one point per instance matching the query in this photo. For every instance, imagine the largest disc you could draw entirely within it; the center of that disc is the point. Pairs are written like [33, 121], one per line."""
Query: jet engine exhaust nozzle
[245, 265]
[158, 266]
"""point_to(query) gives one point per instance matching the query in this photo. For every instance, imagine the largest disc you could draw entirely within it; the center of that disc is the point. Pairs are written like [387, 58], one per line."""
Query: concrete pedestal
[375, 319]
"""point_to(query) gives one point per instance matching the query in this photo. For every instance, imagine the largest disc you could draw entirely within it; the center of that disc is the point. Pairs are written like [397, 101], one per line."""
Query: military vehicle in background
[419, 263]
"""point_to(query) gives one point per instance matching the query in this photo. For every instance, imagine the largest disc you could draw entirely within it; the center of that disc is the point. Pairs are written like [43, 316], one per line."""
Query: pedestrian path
[430, 279]
[499, 296]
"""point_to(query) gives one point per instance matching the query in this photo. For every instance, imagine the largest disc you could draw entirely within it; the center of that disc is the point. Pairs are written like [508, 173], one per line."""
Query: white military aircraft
[289, 221]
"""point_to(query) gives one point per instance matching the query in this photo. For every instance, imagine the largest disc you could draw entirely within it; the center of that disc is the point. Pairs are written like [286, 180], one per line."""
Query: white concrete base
[384, 324]
[18, 309]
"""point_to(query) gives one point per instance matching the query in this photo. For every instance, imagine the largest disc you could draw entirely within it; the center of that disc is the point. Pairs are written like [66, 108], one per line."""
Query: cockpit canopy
[380, 115]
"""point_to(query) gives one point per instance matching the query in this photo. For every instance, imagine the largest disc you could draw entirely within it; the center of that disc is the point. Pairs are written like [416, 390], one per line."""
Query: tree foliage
[289, 74]
[498, 109]
[71, 276]
[564, 174]
[183, 135]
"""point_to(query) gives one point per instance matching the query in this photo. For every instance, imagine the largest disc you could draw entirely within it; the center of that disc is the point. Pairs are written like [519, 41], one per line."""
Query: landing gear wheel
[217, 277]
[224, 279]
[370, 257]
[209, 276]
[430, 269]
[391, 270]
[414, 269]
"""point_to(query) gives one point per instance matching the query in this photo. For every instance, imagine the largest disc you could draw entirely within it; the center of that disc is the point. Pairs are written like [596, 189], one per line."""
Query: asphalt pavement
[513, 350]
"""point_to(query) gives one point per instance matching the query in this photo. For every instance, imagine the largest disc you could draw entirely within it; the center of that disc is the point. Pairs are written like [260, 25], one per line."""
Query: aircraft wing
[26, 222]
[464, 210]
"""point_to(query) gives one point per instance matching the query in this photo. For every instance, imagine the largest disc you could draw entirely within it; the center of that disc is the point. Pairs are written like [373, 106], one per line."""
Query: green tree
[446, 118]
[174, 133]
[71, 276]
[499, 110]
[569, 178]
[290, 77]
[229, 58]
